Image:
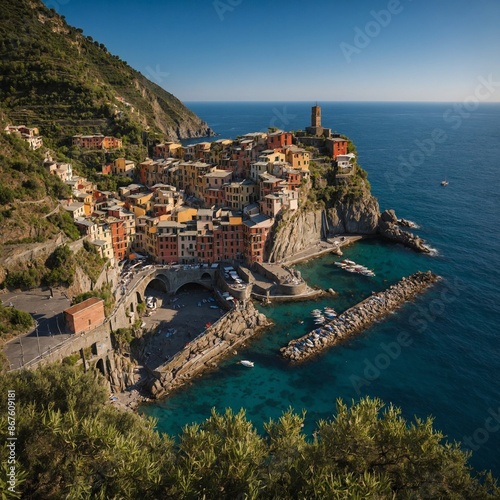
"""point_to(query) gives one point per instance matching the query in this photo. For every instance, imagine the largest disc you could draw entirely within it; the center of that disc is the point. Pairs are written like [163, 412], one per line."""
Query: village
[196, 204]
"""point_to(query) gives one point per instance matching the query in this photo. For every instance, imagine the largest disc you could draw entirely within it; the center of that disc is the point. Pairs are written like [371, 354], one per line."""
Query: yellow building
[298, 158]
[184, 214]
[123, 167]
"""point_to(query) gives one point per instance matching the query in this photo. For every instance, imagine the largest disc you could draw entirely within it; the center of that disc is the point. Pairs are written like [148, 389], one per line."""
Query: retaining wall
[205, 351]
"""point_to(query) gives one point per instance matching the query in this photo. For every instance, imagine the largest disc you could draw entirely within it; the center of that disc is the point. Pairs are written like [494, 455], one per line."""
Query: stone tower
[316, 117]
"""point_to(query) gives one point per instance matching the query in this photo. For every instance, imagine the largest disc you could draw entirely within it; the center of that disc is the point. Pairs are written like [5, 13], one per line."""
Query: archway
[160, 283]
[194, 286]
[206, 276]
[100, 366]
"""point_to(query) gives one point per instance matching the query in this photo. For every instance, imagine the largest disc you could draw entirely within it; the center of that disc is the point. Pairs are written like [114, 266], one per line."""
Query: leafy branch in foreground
[72, 445]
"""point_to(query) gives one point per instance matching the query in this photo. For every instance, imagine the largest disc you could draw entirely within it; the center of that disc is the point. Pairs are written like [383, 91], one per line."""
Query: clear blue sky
[202, 50]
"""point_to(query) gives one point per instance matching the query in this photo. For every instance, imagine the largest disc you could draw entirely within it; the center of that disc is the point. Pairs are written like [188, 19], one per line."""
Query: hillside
[55, 78]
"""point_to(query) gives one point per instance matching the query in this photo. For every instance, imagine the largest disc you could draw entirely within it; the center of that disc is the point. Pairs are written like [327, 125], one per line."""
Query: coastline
[330, 246]
[132, 397]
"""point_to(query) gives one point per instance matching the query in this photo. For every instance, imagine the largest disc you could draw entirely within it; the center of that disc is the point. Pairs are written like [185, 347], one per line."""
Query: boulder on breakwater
[202, 353]
[359, 317]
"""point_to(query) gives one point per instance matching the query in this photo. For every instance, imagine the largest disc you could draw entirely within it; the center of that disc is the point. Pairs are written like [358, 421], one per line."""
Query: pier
[359, 317]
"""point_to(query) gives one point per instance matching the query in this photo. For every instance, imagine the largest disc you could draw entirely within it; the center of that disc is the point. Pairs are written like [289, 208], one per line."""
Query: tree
[70, 444]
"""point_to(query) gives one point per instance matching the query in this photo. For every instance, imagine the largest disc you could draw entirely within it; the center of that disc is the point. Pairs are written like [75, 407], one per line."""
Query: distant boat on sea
[444, 183]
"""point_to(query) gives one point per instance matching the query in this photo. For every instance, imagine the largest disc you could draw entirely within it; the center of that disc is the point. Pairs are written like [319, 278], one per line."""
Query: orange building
[85, 316]
[96, 141]
[118, 238]
[279, 139]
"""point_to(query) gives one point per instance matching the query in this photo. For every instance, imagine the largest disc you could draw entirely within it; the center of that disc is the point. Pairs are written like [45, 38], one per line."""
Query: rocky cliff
[389, 228]
[304, 228]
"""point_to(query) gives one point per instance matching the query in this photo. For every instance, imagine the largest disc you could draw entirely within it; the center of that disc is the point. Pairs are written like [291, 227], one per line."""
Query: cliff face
[63, 82]
[304, 228]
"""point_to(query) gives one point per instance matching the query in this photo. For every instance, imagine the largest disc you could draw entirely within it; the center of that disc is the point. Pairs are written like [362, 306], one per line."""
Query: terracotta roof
[83, 305]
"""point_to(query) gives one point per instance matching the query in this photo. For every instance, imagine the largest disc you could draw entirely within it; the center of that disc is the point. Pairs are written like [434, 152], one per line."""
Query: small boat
[444, 183]
[247, 363]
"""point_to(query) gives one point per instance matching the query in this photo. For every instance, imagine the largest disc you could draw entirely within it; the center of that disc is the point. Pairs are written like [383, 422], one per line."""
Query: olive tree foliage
[71, 444]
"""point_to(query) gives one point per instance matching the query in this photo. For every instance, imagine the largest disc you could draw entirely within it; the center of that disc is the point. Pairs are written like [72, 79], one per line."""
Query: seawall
[359, 317]
[205, 351]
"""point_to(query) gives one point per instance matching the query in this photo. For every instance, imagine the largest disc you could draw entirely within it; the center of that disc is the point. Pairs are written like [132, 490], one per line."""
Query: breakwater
[358, 317]
[206, 350]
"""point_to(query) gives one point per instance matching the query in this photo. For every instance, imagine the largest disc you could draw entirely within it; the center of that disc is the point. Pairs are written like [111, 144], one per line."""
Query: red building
[255, 233]
[278, 140]
[337, 146]
[85, 316]
[167, 248]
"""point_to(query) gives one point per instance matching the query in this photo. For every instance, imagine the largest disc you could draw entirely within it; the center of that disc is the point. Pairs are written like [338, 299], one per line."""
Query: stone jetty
[203, 353]
[358, 318]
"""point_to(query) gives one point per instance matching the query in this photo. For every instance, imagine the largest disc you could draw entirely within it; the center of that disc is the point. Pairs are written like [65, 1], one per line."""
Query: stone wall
[204, 352]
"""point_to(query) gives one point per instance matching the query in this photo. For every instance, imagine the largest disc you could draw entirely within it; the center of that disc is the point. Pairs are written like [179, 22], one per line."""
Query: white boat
[444, 183]
[245, 362]
[348, 262]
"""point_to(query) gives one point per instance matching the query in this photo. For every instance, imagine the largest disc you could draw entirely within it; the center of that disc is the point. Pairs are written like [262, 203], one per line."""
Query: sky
[298, 50]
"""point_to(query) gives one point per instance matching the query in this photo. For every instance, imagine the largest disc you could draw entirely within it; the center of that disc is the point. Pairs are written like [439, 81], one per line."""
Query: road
[50, 330]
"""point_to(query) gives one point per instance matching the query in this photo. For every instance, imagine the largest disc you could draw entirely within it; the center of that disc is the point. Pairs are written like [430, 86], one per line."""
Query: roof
[73, 206]
[258, 219]
[219, 173]
[205, 211]
[92, 301]
[84, 222]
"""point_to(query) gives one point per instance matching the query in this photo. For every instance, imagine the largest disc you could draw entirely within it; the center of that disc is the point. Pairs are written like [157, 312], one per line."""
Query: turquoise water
[449, 366]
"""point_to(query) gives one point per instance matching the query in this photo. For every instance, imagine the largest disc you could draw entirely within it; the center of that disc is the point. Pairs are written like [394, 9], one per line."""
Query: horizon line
[329, 101]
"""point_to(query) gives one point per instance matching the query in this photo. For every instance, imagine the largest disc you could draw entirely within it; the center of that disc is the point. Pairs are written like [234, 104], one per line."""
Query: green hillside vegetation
[71, 445]
[55, 78]
[13, 320]
[103, 293]
[58, 269]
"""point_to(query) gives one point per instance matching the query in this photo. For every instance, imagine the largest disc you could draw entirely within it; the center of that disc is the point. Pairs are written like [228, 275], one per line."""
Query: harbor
[356, 319]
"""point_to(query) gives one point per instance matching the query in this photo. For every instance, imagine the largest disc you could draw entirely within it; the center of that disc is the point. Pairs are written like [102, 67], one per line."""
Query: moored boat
[247, 363]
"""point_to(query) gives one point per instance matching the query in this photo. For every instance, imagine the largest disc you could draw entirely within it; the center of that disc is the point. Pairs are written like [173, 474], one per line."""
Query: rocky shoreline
[358, 317]
[388, 227]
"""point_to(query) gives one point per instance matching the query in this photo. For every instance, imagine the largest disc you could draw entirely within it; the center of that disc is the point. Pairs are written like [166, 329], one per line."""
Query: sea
[438, 356]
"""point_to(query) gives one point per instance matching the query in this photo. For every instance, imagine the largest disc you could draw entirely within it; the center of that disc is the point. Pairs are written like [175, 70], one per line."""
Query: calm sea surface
[451, 367]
